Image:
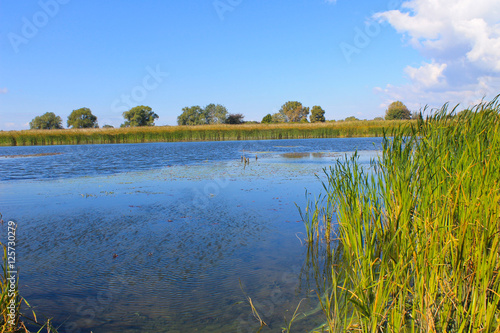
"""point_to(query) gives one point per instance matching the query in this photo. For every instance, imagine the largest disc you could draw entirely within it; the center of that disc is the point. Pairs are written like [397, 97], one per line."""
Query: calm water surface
[158, 237]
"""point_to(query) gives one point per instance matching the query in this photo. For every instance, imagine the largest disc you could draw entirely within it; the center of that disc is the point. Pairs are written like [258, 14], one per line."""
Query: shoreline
[362, 128]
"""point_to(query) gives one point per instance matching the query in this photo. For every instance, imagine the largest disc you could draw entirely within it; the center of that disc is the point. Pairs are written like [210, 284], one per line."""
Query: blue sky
[351, 58]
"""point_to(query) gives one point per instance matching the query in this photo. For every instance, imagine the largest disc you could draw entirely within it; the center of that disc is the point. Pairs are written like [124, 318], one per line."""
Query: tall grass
[417, 245]
[11, 319]
[196, 133]
[9, 300]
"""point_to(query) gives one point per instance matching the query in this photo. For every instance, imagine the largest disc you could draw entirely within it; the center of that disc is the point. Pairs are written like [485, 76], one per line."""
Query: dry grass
[197, 133]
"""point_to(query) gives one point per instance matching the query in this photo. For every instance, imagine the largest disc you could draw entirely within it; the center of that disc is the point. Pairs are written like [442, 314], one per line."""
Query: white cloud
[3, 90]
[460, 38]
[416, 97]
[427, 75]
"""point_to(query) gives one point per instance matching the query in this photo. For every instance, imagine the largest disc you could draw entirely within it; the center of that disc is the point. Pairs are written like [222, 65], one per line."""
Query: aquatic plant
[220, 132]
[288, 323]
[10, 300]
[417, 244]
[255, 312]
[11, 303]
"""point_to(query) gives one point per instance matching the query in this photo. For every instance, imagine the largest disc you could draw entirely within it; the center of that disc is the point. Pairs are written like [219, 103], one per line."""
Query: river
[167, 237]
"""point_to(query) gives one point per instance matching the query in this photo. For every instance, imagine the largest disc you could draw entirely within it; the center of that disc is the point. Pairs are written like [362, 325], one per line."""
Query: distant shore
[340, 129]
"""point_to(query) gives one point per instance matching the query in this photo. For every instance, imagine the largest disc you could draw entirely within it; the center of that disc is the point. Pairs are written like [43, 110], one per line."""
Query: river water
[167, 237]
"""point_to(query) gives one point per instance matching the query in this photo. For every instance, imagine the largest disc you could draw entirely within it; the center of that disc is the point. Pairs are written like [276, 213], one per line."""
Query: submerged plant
[255, 312]
[418, 237]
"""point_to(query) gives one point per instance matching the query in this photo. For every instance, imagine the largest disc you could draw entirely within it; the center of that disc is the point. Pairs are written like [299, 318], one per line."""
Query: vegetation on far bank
[141, 115]
[211, 123]
[221, 132]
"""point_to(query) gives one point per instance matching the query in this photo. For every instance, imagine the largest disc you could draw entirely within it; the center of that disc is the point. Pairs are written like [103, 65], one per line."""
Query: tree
[317, 114]
[397, 110]
[378, 118]
[215, 114]
[235, 119]
[139, 116]
[194, 115]
[82, 118]
[351, 118]
[294, 111]
[46, 121]
[107, 126]
[278, 117]
[416, 115]
[267, 119]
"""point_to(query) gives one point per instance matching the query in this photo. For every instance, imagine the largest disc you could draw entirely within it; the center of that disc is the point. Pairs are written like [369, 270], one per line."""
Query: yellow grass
[197, 133]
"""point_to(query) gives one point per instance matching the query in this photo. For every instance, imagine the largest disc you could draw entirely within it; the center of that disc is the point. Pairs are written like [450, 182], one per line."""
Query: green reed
[417, 245]
[11, 318]
[196, 133]
[9, 300]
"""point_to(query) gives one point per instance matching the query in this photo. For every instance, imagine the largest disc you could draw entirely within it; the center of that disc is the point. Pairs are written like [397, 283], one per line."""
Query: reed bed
[417, 245]
[196, 133]
[9, 300]
[12, 320]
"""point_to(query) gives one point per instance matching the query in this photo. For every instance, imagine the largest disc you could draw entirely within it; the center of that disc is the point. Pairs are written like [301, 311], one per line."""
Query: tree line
[211, 114]
[218, 114]
[83, 118]
[290, 112]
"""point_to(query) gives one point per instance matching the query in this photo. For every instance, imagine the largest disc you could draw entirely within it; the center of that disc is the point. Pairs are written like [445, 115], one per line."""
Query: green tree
[294, 111]
[139, 116]
[416, 115]
[194, 115]
[215, 114]
[46, 121]
[107, 126]
[82, 118]
[397, 110]
[317, 114]
[278, 117]
[267, 119]
[351, 118]
[235, 118]
[378, 118]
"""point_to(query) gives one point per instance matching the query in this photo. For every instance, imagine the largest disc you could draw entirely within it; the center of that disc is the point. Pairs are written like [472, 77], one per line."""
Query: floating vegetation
[417, 246]
[29, 155]
[308, 155]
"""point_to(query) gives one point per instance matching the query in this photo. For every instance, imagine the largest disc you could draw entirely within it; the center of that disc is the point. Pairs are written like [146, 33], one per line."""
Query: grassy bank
[197, 133]
[417, 246]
